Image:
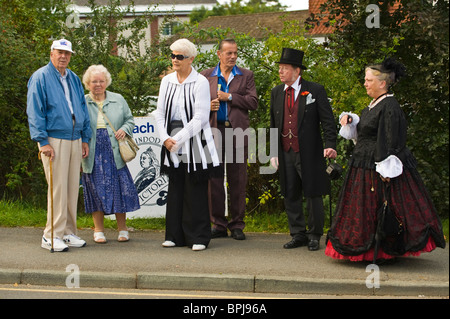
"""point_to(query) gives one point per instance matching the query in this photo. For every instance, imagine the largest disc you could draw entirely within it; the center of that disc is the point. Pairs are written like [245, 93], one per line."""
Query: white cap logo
[62, 44]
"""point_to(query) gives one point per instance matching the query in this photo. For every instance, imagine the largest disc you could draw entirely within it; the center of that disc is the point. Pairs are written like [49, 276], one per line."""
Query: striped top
[189, 102]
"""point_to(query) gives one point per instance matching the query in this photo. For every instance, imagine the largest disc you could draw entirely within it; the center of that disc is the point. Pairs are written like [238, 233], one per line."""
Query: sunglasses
[179, 57]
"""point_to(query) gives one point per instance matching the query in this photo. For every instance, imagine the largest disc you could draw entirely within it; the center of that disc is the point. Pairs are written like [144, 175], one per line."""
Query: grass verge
[23, 214]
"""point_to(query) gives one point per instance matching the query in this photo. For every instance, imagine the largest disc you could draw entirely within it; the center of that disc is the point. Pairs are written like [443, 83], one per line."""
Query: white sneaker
[198, 247]
[168, 243]
[74, 241]
[58, 244]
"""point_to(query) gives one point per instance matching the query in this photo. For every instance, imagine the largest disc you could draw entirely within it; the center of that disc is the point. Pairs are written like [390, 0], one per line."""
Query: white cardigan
[192, 98]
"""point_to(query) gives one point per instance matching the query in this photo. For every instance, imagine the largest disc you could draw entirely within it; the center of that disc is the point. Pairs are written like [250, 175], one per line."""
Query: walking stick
[334, 171]
[380, 234]
[51, 200]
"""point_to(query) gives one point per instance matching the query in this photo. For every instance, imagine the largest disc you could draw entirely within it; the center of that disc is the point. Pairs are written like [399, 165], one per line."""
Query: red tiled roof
[321, 29]
[256, 24]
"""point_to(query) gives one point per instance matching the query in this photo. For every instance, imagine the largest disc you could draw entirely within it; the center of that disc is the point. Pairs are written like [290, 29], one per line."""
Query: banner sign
[145, 170]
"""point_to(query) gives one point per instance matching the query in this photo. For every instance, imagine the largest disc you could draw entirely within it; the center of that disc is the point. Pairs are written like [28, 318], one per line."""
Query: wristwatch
[230, 97]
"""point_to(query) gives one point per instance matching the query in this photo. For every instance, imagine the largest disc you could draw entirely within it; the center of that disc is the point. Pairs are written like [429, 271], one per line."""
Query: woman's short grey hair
[389, 77]
[96, 69]
[184, 46]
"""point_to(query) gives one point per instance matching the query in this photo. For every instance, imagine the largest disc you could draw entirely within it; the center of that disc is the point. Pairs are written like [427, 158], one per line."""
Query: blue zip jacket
[48, 111]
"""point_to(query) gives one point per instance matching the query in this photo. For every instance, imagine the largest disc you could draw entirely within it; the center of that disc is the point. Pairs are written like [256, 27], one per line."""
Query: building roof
[321, 29]
[322, 17]
[149, 2]
[255, 24]
[158, 7]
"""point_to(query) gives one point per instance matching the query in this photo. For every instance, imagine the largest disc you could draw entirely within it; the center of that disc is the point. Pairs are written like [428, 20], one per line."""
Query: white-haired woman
[107, 182]
[189, 156]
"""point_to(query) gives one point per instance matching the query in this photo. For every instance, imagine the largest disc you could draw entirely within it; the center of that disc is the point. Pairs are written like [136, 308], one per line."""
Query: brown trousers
[237, 182]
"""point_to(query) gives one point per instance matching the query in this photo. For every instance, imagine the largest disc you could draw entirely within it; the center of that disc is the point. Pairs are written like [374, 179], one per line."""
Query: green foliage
[421, 42]
[27, 28]
[23, 33]
[111, 38]
[21, 214]
[263, 191]
[416, 33]
[24, 214]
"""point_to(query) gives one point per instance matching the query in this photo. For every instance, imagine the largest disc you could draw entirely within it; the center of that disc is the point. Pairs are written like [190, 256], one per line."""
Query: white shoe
[99, 237]
[168, 243]
[123, 236]
[198, 247]
[58, 244]
[74, 241]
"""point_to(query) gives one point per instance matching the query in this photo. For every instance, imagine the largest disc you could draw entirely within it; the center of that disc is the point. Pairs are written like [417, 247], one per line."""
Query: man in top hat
[59, 123]
[299, 109]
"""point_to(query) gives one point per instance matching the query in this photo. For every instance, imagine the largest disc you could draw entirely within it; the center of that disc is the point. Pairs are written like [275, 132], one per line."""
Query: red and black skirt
[354, 228]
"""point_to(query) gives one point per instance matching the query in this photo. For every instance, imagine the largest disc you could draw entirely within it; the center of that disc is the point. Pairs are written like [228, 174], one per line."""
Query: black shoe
[313, 245]
[218, 233]
[294, 243]
[237, 234]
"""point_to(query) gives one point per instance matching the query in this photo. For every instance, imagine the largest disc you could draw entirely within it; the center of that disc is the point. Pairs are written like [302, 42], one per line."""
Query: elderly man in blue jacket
[59, 123]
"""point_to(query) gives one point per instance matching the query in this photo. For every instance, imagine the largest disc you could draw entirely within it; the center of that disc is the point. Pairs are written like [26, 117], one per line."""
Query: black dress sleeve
[391, 135]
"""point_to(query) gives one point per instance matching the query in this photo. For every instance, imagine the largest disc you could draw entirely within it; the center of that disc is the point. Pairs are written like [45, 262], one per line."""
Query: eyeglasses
[179, 57]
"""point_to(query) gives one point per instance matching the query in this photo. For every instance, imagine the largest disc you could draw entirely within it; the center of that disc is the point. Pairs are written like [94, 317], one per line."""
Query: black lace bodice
[381, 133]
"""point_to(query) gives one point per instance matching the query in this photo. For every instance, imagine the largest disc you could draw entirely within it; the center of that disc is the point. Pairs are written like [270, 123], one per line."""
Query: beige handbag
[127, 147]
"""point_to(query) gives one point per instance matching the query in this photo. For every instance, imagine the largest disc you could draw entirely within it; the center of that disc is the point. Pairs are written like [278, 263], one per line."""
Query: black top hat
[292, 56]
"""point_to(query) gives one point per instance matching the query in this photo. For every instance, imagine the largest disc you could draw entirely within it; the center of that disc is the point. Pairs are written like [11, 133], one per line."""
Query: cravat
[290, 98]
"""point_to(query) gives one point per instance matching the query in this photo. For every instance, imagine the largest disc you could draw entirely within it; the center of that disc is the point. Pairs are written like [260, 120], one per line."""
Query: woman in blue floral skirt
[107, 182]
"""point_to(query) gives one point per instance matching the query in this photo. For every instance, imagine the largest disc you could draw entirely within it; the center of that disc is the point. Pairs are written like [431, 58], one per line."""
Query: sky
[293, 4]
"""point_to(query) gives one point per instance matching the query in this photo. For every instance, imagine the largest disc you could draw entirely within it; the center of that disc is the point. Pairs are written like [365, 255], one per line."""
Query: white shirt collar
[296, 85]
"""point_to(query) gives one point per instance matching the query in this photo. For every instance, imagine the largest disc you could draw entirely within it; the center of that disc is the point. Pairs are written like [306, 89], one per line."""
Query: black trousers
[293, 201]
[187, 212]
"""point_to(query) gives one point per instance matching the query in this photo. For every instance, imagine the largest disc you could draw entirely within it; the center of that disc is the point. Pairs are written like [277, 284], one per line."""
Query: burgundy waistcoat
[289, 138]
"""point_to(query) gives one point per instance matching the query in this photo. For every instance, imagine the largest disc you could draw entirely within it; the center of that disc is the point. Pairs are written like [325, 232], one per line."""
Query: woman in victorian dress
[382, 170]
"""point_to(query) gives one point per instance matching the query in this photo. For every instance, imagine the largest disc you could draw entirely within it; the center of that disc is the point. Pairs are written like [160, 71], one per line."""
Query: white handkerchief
[309, 99]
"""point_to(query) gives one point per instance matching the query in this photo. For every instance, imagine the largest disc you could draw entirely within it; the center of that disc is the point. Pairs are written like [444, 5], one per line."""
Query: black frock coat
[313, 119]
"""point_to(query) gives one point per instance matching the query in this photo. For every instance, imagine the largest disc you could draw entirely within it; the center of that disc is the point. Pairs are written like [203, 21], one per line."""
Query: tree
[105, 37]
[417, 33]
[25, 29]
[420, 41]
[341, 83]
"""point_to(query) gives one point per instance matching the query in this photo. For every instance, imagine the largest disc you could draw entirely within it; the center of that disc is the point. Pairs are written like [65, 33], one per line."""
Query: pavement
[258, 264]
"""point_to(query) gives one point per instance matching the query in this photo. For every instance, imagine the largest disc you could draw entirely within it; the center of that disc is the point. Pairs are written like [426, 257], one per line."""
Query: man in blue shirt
[59, 123]
[233, 95]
